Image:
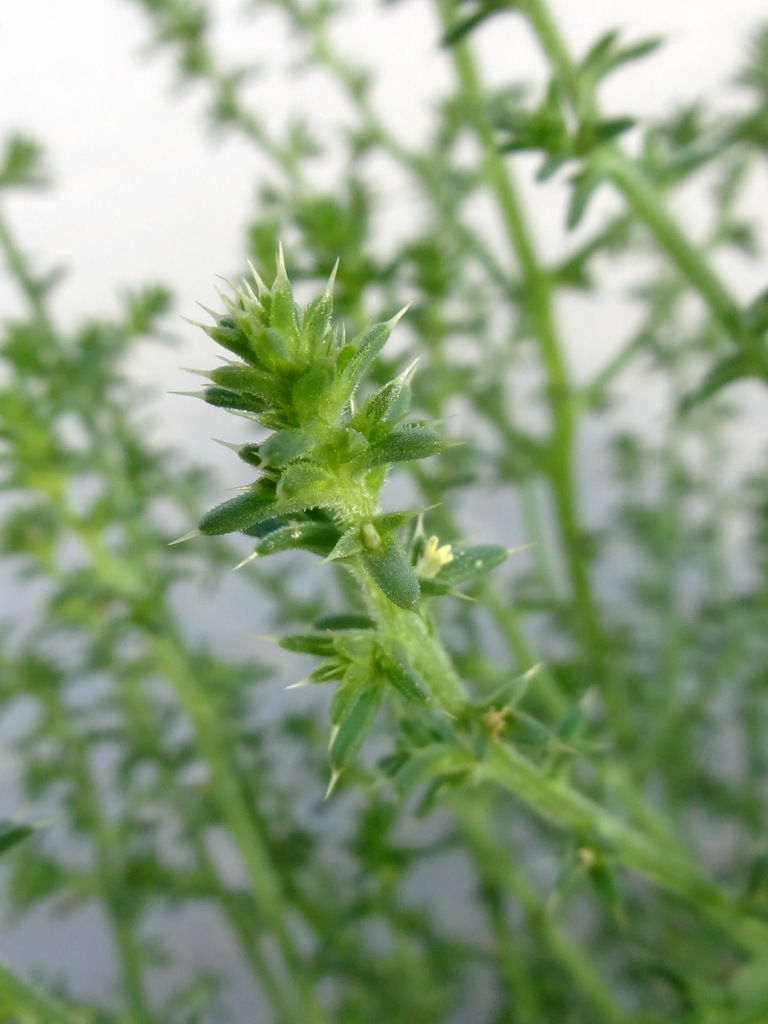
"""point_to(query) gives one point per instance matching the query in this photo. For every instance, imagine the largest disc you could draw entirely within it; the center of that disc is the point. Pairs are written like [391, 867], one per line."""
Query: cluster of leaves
[321, 471]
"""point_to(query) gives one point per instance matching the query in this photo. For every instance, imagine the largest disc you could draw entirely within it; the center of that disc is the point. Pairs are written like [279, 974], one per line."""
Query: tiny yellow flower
[433, 559]
[495, 721]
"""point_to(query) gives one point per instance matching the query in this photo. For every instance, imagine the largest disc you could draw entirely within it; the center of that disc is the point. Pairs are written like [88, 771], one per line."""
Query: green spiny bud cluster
[323, 466]
[320, 473]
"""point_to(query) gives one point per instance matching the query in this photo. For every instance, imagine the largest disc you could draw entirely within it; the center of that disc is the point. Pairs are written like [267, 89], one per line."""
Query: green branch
[661, 864]
[537, 288]
[19, 997]
[644, 199]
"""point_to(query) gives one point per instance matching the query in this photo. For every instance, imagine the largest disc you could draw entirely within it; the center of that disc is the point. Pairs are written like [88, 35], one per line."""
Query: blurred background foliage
[186, 790]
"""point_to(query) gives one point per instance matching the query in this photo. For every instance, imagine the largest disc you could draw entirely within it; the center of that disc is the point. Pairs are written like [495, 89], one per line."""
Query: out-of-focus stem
[644, 199]
[661, 864]
[494, 863]
[538, 288]
[20, 997]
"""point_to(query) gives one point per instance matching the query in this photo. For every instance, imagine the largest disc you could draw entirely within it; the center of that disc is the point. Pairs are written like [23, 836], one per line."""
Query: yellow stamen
[433, 559]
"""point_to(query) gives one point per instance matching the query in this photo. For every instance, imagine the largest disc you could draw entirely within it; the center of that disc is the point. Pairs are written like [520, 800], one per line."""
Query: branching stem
[644, 199]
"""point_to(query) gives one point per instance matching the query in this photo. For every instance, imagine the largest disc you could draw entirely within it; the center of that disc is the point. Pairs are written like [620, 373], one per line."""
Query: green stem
[20, 997]
[171, 657]
[107, 867]
[658, 857]
[522, 991]
[552, 581]
[236, 907]
[494, 863]
[548, 692]
[237, 915]
[129, 580]
[644, 199]
[648, 206]
[17, 265]
[669, 870]
[427, 653]
[174, 662]
[538, 289]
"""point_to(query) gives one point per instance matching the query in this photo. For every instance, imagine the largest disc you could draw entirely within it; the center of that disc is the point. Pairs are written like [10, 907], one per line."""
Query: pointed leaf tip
[332, 278]
[261, 288]
[245, 561]
[281, 269]
[210, 312]
[408, 373]
[226, 281]
[394, 320]
[195, 323]
[521, 547]
[331, 785]
[187, 536]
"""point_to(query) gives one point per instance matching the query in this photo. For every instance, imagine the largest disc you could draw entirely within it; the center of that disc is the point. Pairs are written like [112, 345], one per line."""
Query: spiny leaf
[509, 694]
[227, 334]
[347, 695]
[404, 676]
[329, 672]
[378, 407]
[355, 726]
[365, 348]
[350, 543]
[308, 536]
[313, 385]
[308, 643]
[284, 446]
[317, 318]
[224, 399]
[237, 514]
[392, 573]
[305, 483]
[11, 834]
[249, 380]
[470, 562]
[344, 621]
[404, 444]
